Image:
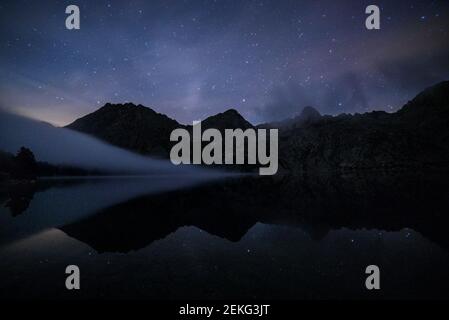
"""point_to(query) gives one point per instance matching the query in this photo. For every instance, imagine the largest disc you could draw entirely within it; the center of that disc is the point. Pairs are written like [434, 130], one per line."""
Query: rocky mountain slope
[415, 136]
[136, 128]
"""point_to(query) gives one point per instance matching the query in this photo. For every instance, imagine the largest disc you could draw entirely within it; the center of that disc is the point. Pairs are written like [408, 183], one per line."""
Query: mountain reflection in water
[273, 237]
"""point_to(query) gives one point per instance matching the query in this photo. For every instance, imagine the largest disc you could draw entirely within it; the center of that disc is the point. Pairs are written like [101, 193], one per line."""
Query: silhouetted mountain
[136, 128]
[141, 129]
[415, 136]
[307, 116]
[435, 99]
[428, 114]
[229, 119]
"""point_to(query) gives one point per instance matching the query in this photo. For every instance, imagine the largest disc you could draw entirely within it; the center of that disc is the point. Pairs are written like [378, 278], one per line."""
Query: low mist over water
[67, 147]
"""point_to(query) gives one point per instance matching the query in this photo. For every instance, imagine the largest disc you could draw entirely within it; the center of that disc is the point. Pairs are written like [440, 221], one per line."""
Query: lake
[238, 237]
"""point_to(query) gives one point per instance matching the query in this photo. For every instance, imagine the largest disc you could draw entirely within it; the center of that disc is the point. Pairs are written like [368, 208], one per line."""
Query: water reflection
[50, 203]
[316, 204]
[241, 237]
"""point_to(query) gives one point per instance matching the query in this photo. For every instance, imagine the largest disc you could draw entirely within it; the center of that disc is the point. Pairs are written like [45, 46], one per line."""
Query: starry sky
[192, 59]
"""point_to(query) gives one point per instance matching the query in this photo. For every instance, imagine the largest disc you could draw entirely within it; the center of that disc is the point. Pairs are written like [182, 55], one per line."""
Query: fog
[62, 146]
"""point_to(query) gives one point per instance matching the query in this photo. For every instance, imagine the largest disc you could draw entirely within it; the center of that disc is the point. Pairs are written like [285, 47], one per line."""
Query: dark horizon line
[267, 122]
[228, 110]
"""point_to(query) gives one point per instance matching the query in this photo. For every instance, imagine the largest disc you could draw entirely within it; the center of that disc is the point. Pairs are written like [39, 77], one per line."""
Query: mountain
[416, 136]
[428, 114]
[136, 128]
[142, 130]
[229, 119]
[307, 116]
[435, 98]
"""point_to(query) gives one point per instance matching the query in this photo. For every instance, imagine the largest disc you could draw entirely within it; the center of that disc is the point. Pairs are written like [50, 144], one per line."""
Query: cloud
[416, 73]
[285, 102]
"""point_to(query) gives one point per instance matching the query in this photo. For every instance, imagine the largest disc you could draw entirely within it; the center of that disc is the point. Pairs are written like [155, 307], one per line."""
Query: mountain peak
[309, 114]
[232, 112]
[227, 120]
[435, 98]
[126, 105]
[129, 126]
[437, 94]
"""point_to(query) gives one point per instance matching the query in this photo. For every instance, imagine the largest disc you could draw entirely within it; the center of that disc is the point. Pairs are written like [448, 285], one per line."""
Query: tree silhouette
[26, 164]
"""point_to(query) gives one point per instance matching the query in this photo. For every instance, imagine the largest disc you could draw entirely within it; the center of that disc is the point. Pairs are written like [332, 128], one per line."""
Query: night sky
[192, 59]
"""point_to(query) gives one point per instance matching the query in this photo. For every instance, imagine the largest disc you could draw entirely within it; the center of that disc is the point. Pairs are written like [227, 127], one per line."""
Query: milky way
[192, 59]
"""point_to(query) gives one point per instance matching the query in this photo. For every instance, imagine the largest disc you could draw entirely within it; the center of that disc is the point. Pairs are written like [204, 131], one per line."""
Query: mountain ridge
[307, 116]
[416, 135]
[129, 126]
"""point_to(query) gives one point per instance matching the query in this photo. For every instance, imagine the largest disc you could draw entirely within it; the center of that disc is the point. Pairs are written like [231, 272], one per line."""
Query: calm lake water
[308, 237]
